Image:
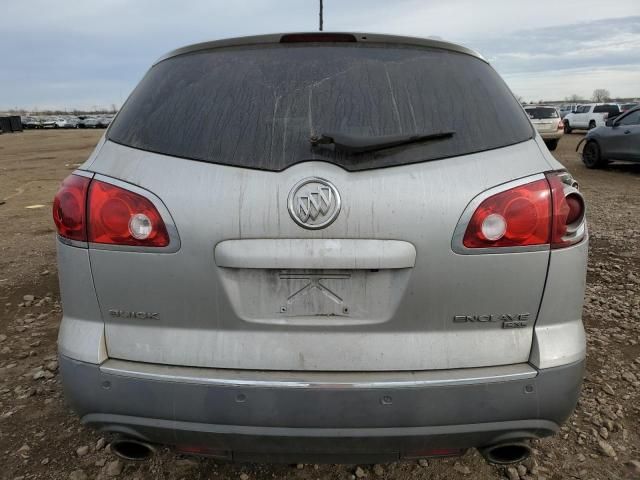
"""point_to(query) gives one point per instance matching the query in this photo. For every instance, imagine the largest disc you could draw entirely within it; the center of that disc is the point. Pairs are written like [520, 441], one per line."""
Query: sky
[90, 54]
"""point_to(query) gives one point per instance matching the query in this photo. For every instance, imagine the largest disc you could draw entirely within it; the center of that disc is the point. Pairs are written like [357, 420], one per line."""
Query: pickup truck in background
[590, 115]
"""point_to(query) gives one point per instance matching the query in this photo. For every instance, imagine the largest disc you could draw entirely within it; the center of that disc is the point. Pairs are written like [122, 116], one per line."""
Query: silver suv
[322, 247]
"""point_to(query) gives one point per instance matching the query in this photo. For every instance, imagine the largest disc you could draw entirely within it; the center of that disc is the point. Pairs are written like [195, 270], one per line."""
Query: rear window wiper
[363, 144]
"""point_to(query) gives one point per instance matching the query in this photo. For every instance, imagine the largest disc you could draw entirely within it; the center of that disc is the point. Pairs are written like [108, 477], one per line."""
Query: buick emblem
[314, 203]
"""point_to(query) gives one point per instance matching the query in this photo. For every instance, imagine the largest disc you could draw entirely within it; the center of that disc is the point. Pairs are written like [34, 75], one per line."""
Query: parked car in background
[567, 108]
[62, 122]
[103, 122]
[81, 120]
[66, 121]
[91, 122]
[31, 123]
[49, 122]
[548, 123]
[324, 268]
[70, 122]
[590, 116]
[618, 139]
[628, 106]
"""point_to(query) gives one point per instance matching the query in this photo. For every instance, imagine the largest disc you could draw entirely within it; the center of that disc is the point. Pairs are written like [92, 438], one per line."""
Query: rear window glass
[606, 108]
[258, 107]
[539, 113]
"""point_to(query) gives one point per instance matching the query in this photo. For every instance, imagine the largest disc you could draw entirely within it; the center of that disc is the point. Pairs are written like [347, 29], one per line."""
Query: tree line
[76, 112]
[599, 95]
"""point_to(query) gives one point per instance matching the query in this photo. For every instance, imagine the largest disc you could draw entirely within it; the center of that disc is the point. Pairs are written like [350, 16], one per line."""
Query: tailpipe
[132, 449]
[506, 453]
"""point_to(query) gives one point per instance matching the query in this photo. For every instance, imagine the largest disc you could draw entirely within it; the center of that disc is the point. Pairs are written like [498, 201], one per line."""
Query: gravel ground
[40, 438]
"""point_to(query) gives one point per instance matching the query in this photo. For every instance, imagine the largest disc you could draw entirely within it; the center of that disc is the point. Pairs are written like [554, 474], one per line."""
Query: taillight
[98, 212]
[69, 208]
[520, 216]
[549, 211]
[568, 225]
[561, 125]
[120, 217]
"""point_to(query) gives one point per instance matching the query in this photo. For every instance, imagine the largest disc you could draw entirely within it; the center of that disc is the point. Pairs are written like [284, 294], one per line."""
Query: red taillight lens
[576, 208]
[561, 125]
[120, 217]
[517, 217]
[69, 208]
[550, 211]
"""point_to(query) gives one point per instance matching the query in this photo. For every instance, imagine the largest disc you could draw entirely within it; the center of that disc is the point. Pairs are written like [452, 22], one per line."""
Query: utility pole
[320, 15]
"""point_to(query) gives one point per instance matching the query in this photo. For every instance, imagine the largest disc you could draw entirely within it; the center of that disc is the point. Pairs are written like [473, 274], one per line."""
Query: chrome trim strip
[458, 234]
[321, 380]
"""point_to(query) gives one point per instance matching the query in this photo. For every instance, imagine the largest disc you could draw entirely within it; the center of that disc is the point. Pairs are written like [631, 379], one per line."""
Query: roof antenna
[320, 15]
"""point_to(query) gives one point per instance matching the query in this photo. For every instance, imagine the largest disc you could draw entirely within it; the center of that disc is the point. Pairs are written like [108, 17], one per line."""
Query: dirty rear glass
[258, 107]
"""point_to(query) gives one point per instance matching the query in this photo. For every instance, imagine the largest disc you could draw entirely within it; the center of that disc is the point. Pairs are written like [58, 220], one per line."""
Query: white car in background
[56, 122]
[91, 122]
[546, 119]
[70, 122]
[62, 123]
[567, 108]
[590, 116]
[49, 123]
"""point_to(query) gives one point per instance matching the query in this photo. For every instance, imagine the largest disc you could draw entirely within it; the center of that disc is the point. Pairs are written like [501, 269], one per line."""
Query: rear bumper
[552, 135]
[268, 421]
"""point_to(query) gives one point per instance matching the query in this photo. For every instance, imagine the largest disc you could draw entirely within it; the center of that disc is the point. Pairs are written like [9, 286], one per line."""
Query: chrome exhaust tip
[132, 449]
[506, 453]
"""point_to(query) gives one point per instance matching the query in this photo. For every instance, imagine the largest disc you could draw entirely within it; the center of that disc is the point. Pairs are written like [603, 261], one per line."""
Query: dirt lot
[41, 438]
